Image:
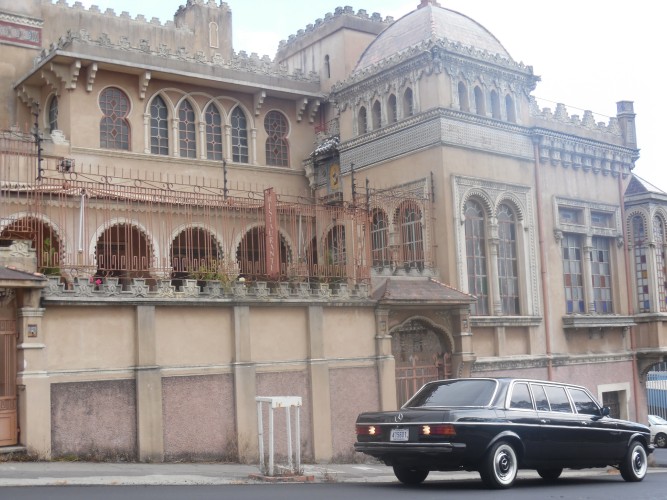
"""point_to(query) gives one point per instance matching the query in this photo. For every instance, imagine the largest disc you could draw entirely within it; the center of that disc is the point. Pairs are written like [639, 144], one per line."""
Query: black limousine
[498, 426]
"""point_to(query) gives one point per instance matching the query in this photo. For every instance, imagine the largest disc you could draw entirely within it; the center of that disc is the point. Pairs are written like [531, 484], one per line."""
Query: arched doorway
[422, 353]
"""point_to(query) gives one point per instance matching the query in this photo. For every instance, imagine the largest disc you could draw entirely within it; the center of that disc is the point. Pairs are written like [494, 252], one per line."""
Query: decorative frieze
[110, 290]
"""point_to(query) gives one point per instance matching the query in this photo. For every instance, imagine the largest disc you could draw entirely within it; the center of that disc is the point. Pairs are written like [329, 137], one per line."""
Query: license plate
[399, 435]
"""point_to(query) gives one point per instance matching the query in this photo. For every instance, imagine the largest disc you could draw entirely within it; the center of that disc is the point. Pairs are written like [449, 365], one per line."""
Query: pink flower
[98, 281]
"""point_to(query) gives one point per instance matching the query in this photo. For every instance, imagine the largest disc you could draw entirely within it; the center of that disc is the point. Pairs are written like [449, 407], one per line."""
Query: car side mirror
[604, 411]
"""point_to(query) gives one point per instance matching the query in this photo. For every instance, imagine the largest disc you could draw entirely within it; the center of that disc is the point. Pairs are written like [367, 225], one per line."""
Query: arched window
[408, 103]
[53, 114]
[213, 35]
[213, 133]
[363, 121]
[660, 261]
[476, 257]
[334, 251]
[327, 67]
[277, 147]
[464, 104]
[641, 264]
[239, 136]
[508, 269]
[377, 115]
[159, 127]
[187, 133]
[495, 105]
[392, 109]
[509, 106]
[380, 239]
[114, 128]
[480, 105]
[412, 240]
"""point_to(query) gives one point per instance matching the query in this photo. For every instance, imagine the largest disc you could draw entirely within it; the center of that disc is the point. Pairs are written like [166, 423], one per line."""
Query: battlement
[332, 17]
[562, 117]
[111, 13]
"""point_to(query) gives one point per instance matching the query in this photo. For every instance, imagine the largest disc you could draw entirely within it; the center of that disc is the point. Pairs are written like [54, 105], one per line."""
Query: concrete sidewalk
[90, 473]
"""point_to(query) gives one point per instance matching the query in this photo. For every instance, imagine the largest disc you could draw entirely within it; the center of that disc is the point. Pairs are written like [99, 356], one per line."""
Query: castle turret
[625, 112]
[212, 21]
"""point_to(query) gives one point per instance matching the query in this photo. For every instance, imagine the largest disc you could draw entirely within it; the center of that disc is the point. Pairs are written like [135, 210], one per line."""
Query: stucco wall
[199, 418]
[94, 419]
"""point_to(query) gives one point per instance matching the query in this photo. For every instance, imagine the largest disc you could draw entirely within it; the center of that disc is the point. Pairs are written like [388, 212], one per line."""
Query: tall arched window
[114, 127]
[327, 67]
[377, 115]
[412, 239]
[213, 35]
[508, 270]
[380, 239]
[362, 121]
[392, 109]
[464, 104]
[495, 105]
[159, 127]
[213, 133]
[660, 261]
[509, 106]
[408, 103]
[641, 264]
[476, 257]
[187, 132]
[480, 105]
[239, 136]
[53, 114]
[277, 147]
[335, 251]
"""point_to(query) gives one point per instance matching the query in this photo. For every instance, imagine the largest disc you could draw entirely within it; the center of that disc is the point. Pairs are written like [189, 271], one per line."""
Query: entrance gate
[656, 390]
[8, 425]
[421, 356]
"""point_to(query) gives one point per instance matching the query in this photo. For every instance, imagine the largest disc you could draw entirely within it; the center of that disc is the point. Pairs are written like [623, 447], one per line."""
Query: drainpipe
[543, 262]
[631, 305]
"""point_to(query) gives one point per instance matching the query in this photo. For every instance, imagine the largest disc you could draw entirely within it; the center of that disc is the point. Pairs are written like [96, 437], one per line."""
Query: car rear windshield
[455, 393]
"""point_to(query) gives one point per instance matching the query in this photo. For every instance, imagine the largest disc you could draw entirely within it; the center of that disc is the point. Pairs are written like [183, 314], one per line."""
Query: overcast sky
[589, 53]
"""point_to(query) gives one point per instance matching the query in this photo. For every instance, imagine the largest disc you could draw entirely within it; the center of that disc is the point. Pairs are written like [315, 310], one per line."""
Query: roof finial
[424, 3]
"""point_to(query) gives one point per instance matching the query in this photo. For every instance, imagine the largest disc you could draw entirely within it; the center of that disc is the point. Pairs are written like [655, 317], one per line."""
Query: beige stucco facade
[422, 210]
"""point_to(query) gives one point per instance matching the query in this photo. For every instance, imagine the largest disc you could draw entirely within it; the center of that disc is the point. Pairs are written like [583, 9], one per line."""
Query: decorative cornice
[240, 61]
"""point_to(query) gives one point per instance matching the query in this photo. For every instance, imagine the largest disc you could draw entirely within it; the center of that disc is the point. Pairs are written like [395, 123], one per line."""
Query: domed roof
[430, 22]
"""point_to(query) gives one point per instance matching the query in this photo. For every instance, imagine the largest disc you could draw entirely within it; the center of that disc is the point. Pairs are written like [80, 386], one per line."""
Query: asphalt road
[596, 487]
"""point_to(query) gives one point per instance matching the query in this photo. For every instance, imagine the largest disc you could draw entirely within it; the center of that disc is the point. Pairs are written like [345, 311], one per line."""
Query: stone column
[320, 394]
[245, 388]
[385, 361]
[463, 356]
[588, 276]
[494, 288]
[150, 436]
[34, 387]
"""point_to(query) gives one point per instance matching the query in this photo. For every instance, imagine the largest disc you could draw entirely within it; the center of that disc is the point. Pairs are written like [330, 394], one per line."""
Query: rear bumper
[442, 456]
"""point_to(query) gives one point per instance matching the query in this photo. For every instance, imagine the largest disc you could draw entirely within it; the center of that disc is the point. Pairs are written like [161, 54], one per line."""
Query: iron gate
[8, 424]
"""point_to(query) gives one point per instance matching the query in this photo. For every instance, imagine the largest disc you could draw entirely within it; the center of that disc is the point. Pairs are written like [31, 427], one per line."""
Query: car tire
[660, 440]
[410, 475]
[499, 466]
[635, 463]
[549, 474]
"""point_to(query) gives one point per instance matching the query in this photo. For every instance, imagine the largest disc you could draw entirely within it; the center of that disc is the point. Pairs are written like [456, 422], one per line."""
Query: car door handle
[584, 422]
[544, 421]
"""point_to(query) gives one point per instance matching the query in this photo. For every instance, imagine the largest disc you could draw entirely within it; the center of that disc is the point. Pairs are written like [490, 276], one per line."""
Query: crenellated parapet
[110, 13]
[330, 19]
[561, 117]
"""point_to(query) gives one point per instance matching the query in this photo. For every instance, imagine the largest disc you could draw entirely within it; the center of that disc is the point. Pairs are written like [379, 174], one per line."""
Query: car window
[583, 402]
[455, 393]
[558, 400]
[521, 397]
[656, 420]
[541, 401]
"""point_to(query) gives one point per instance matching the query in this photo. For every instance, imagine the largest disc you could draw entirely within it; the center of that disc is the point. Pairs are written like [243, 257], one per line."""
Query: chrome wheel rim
[639, 462]
[505, 464]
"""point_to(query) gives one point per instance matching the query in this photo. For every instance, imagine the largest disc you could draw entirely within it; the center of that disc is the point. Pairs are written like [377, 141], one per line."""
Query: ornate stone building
[184, 228]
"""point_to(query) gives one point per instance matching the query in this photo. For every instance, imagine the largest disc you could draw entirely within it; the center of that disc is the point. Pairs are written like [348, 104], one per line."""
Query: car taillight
[368, 430]
[437, 430]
